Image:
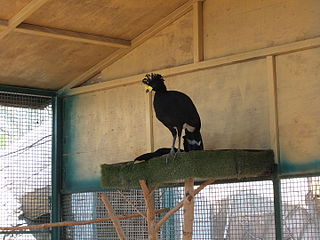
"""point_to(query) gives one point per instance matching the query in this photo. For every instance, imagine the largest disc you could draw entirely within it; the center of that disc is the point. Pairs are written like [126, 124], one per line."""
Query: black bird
[177, 112]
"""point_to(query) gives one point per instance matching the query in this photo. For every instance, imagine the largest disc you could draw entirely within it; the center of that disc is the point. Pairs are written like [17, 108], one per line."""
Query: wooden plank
[149, 122]
[134, 43]
[188, 211]
[22, 15]
[73, 36]
[3, 24]
[198, 31]
[273, 106]
[299, 113]
[236, 58]
[114, 219]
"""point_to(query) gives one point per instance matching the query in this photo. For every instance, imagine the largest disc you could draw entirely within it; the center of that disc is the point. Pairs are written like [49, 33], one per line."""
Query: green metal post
[56, 165]
[277, 204]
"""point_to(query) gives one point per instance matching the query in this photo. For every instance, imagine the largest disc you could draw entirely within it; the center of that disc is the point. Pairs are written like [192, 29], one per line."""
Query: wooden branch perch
[114, 219]
[128, 201]
[180, 204]
[148, 194]
[75, 223]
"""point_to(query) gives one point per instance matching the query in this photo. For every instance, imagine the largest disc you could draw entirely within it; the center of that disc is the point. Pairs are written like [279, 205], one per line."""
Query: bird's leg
[179, 143]
[174, 135]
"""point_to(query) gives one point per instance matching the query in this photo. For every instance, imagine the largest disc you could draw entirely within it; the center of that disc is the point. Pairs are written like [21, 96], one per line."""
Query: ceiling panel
[48, 63]
[114, 18]
[9, 8]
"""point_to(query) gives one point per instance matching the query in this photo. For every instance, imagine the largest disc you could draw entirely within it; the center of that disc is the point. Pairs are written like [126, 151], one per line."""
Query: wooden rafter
[22, 15]
[3, 23]
[70, 35]
[134, 43]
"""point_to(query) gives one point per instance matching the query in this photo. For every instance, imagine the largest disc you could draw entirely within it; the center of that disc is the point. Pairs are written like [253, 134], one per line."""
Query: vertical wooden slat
[149, 122]
[188, 211]
[114, 219]
[198, 49]
[273, 107]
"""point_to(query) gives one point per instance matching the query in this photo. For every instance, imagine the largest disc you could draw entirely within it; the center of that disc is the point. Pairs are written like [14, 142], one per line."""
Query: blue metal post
[277, 204]
[56, 165]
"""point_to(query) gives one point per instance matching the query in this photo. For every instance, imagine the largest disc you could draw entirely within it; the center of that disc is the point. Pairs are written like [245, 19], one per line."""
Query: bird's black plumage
[176, 111]
[158, 153]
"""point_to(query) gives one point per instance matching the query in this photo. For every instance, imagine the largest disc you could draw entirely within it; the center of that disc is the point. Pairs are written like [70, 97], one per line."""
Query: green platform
[201, 165]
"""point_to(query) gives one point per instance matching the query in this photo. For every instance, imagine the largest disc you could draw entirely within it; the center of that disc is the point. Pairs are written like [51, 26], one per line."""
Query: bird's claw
[176, 153]
[172, 154]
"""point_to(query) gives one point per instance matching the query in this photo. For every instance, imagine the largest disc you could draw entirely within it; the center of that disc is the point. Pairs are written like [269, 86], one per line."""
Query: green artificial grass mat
[200, 165]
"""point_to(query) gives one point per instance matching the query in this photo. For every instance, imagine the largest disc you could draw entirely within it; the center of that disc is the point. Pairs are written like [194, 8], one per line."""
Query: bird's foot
[172, 153]
[176, 153]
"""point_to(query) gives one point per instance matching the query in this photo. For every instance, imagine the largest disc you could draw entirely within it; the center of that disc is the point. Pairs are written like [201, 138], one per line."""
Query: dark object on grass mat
[201, 165]
[158, 153]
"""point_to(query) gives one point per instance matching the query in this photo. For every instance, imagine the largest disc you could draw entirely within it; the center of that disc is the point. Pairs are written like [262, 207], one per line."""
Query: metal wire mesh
[86, 206]
[301, 208]
[25, 163]
[224, 211]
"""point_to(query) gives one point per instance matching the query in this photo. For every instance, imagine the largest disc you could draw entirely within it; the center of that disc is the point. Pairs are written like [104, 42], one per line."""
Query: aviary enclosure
[74, 115]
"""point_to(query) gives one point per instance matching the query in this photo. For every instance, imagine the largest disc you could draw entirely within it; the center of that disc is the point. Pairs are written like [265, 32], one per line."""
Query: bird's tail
[192, 141]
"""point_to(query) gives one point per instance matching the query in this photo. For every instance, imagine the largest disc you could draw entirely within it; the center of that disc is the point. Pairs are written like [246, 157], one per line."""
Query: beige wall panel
[107, 127]
[232, 102]
[233, 26]
[298, 77]
[171, 47]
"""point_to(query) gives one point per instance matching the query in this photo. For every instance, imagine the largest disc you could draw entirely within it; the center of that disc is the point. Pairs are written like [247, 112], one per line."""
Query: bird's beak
[148, 89]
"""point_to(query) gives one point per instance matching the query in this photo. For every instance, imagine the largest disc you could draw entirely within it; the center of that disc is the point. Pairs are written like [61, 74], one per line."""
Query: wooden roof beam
[67, 35]
[156, 28]
[73, 36]
[22, 15]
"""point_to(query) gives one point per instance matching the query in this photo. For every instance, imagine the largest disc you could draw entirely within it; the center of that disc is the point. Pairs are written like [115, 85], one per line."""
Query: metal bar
[299, 175]
[56, 165]
[25, 232]
[277, 204]
[27, 91]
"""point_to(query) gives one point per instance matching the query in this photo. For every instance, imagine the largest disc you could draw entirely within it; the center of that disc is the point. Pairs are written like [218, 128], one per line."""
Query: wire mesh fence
[301, 208]
[25, 163]
[222, 211]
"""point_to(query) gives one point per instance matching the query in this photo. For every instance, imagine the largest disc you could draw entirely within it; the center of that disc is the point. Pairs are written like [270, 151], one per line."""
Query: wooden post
[114, 219]
[188, 209]
[147, 193]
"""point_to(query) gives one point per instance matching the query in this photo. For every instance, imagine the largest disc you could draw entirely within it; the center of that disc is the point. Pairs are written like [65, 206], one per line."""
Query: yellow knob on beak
[148, 89]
